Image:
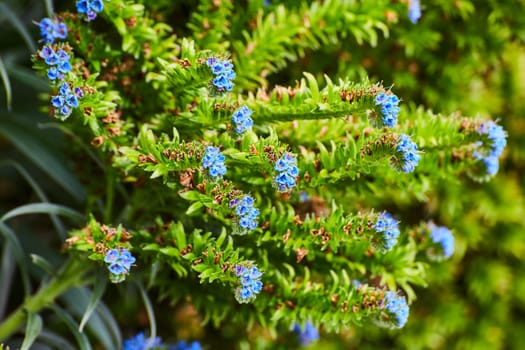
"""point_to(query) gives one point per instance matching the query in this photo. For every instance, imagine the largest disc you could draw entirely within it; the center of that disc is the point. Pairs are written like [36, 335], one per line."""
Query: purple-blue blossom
[414, 11]
[494, 140]
[184, 345]
[408, 156]
[57, 60]
[90, 8]
[388, 232]
[307, 334]
[395, 311]
[141, 342]
[443, 240]
[223, 73]
[246, 214]
[66, 100]
[287, 173]
[250, 283]
[119, 261]
[213, 160]
[388, 110]
[242, 119]
[51, 29]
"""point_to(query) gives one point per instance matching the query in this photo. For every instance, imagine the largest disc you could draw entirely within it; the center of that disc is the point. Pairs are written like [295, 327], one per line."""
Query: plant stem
[71, 275]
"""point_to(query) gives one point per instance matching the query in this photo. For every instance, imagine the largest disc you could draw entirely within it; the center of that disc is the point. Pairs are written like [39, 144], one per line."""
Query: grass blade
[31, 143]
[7, 84]
[19, 255]
[7, 13]
[81, 338]
[149, 310]
[76, 301]
[49, 8]
[33, 329]
[56, 341]
[42, 208]
[43, 264]
[6, 276]
[98, 291]
[40, 194]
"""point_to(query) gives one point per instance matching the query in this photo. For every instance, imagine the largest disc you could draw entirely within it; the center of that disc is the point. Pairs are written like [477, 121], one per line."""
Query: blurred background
[463, 57]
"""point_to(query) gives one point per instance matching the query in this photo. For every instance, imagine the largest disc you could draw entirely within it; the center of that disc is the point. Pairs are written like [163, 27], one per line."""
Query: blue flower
[286, 178]
[90, 8]
[493, 144]
[306, 335]
[250, 283]
[443, 238]
[51, 29]
[395, 310]
[242, 119]
[408, 154]
[388, 228]
[66, 100]
[140, 342]
[389, 110]
[57, 60]
[223, 72]
[497, 137]
[183, 345]
[119, 261]
[213, 160]
[246, 214]
[414, 11]
[491, 164]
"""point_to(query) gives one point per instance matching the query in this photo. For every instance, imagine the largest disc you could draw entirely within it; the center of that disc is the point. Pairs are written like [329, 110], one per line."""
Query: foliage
[244, 170]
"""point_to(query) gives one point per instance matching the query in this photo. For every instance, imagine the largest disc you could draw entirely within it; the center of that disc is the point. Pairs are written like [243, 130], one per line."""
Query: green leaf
[7, 84]
[43, 208]
[194, 208]
[31, 143]
[7, 268]
[33, 329]
[81, 338]
[100, 287]
[6, 13]
[43, 264]
[149, 310]
[40, 193]
[18, 252]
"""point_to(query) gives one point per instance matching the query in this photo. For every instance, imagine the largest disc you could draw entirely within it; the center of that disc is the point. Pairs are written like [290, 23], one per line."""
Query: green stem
[71, 275]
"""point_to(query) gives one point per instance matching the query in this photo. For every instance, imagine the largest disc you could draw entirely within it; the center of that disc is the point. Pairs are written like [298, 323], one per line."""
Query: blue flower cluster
[119, 261]
[441, 236]
[396, 309]
[497, 140]
[90, 8]
[183, 345]
[388, 227]
[246, 213]
[51, 29]
[408, 152]
[389, 110]
[140, 342]
[57, 60]
[223, 72]
[414, 11]
[306, 335]
[242, 119]
[66, 100]
[251, 284]
[214, 161]
[286, 179]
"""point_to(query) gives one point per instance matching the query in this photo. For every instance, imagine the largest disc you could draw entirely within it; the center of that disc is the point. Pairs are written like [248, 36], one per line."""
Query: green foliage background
[463, 56]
